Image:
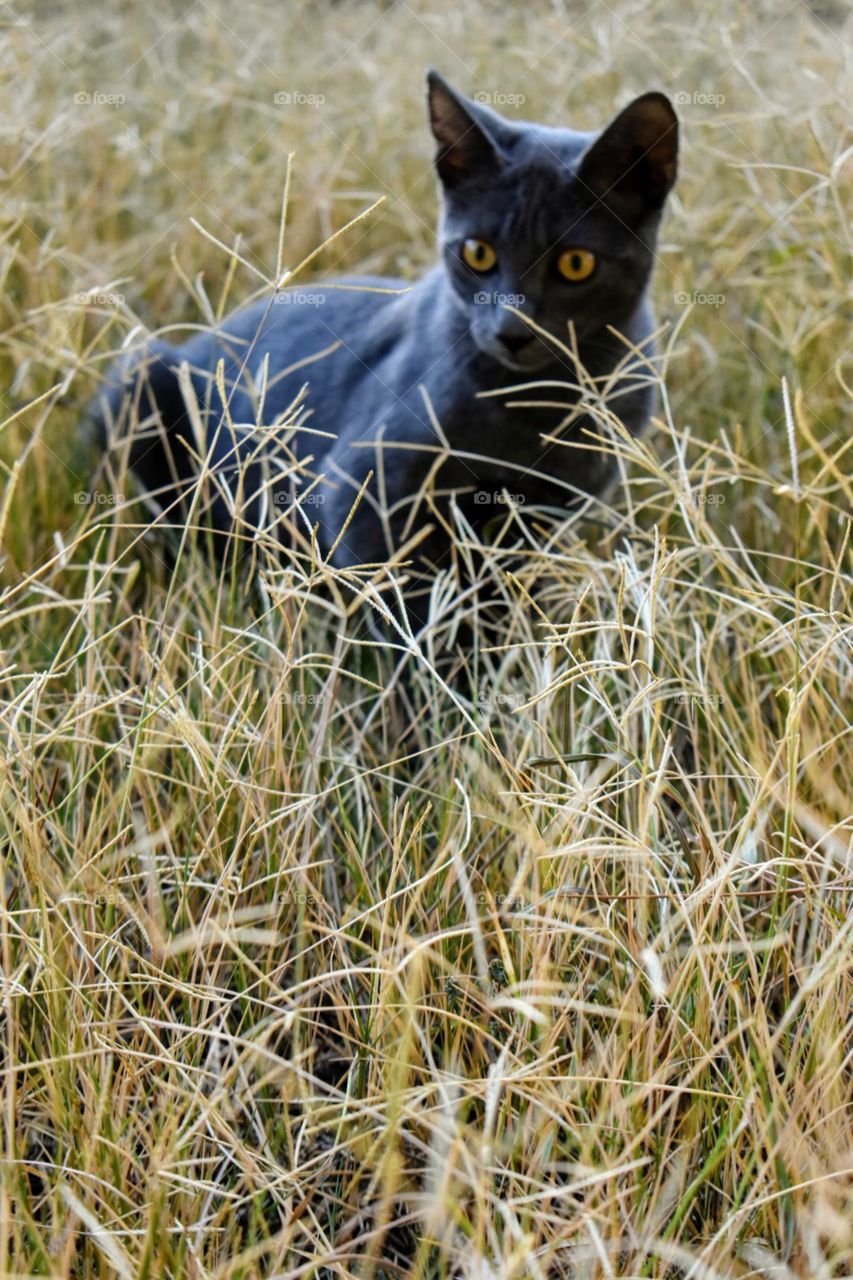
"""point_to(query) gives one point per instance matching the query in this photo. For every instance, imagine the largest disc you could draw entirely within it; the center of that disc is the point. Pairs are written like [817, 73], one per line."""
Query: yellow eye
[479, 255]
[576, 264]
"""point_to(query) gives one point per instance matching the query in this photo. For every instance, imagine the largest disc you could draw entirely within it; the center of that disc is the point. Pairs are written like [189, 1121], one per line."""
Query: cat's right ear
[632, 165]
[464, 146]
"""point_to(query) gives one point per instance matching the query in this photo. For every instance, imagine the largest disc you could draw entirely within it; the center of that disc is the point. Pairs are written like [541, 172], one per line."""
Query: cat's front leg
[386, 516]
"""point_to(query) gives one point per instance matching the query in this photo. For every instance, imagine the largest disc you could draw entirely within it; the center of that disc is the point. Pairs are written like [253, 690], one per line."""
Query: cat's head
[559, 224]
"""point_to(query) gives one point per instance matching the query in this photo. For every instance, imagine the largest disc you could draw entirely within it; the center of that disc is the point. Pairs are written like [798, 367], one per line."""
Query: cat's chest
[509, 423]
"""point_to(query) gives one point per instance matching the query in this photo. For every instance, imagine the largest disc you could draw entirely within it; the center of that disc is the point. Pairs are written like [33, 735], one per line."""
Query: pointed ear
[464, 145]
[632, 165]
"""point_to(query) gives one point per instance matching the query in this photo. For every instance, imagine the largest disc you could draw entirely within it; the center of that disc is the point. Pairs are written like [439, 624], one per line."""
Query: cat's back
[323, 334]
[294, 320]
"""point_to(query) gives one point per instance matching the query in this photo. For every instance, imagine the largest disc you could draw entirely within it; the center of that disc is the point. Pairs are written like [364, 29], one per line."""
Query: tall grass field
[319, 959]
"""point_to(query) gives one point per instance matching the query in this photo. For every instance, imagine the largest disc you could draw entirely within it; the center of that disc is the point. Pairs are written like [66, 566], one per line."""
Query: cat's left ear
[633, 164]
[465, 146]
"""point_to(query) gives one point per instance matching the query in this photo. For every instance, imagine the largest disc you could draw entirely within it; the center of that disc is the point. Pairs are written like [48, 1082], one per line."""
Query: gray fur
[531, 191]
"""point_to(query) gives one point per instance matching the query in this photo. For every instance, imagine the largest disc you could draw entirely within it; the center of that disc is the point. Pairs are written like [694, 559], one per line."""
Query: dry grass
[552, 982]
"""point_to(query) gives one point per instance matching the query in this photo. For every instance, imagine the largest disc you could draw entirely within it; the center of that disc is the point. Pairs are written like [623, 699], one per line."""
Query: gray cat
[561, 225]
